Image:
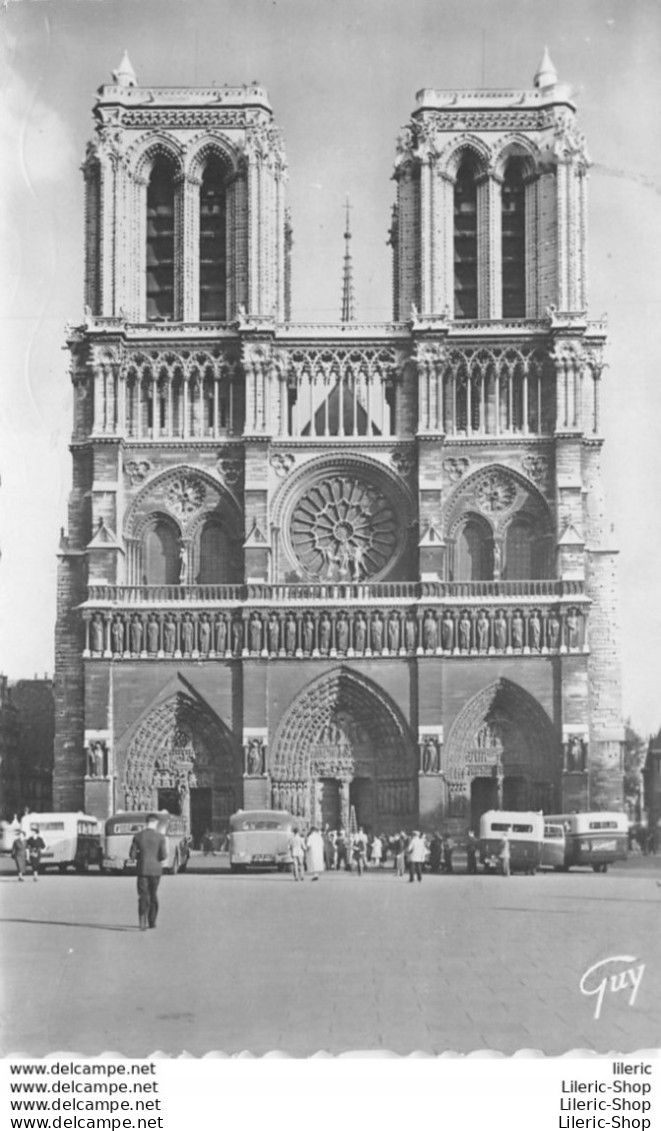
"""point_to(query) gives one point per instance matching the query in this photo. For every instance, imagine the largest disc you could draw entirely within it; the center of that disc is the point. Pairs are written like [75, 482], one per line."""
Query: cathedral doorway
[344, 744]
[502, 752]
[201, 813]
[181, 758]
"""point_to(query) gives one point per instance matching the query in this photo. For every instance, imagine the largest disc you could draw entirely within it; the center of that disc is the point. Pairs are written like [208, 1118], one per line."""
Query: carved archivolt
[502, 731]
[342, 727]
[179, 745]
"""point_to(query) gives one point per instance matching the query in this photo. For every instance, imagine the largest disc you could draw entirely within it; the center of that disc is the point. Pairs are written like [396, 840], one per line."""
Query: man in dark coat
[149, 850]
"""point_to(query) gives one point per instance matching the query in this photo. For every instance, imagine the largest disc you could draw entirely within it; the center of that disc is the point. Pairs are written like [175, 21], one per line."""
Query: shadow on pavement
[63, 923]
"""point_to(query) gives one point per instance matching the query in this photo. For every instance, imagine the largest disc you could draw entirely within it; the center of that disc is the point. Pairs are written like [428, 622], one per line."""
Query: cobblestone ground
[259, 962]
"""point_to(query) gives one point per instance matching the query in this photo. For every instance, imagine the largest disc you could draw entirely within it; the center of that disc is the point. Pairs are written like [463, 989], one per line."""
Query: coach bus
[72, 840]
[593, 840]
[122, 827]
[260, 838]
[525, 832]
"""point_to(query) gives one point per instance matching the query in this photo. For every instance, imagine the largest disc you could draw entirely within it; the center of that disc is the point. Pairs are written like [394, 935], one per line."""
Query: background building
[27, 724]
[324, 566]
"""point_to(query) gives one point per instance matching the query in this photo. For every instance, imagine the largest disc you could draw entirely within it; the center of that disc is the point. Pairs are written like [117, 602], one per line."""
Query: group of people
[26, 852]
[334, 850]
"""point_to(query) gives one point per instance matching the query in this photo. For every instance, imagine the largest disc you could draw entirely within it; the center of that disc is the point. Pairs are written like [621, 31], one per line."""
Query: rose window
[186, 495]
[342, 529]
[495, 492]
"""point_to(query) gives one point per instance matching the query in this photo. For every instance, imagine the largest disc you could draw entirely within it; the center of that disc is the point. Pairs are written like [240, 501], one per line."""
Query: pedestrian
[448, 848]
[417, 853]
[149, 849]
[297, 850]
[340, 850]
[329, 849]
[359, 851]
[315, 853]
[35, 846]
[399, 849]
[19, 854]
[436, 853]
[471, 853]
[376, 852]
[504, 855]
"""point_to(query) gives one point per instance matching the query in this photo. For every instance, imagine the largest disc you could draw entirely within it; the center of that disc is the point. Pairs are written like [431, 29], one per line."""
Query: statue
[152, 635]
[136, 636]
[411, 633]
[274, 633]
[187, 635]
[393, 633]
[482, 632]
[464, 633]
[325, 634]
[430, 760]
[500, 631]
[360, 633]
[308, 634]
[221, 636]
[553, 632]
[377, 633]
[183, 564]
[534, 631]
[447, 633]
[118, 636]
[342, 633]
[290, 634]
[97, 634]
[237, 636]
[430, 632]
[254, 758]
[169, 635]
[573, 629]
[517, 630]
[205, 635]
[255, 633]
[357, 561]
[575, 754]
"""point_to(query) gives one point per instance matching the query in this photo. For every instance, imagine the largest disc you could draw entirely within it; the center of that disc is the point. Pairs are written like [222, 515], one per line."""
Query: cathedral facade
[336, 568]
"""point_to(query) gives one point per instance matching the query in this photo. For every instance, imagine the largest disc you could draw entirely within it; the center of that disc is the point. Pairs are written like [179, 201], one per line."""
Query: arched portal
[182, 758]
[344, 744]
[502, 753]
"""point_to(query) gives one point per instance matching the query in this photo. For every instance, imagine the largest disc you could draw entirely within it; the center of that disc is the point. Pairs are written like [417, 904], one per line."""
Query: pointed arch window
[161, 555]
[213, 252]
[160, 241]
[474, 553]
[215, 556]
[465, 240]
[513, 228]
[526, 550]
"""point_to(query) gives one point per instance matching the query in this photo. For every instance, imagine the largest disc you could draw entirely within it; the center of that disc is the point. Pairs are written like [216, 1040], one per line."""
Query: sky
[342, 77]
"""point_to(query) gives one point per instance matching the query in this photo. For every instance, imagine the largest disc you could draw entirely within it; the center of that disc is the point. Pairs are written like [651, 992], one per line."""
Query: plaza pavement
[258, 962]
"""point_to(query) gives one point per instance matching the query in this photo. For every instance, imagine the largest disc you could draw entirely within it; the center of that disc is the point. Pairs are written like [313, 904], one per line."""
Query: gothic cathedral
[339, 568]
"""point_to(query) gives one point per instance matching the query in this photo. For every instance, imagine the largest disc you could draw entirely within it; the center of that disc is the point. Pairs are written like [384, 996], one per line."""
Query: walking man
[149, 850]
[504, 855]
[35, 846]
[297, 849]
[19, 854]
[417, 852]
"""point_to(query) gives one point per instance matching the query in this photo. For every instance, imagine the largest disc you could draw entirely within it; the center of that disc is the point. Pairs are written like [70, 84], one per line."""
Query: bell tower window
[213, 260]
[514, 241]
[160, 241]
[465, 241]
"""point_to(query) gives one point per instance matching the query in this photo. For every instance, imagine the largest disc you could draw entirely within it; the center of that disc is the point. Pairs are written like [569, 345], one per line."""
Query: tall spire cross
[348, 313]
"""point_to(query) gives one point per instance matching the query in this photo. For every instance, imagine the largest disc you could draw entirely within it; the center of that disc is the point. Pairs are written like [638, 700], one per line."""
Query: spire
[546, 72]
[347, 278]
[125, 75]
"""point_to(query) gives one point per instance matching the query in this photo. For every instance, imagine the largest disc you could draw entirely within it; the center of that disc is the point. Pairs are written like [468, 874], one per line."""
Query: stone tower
[325, 567]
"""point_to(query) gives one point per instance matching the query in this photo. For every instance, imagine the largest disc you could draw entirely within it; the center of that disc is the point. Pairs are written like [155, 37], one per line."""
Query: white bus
[73, 840]
[593, 840]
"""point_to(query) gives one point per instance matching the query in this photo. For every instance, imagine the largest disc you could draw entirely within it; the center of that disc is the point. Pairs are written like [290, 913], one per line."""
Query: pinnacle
[125, 75]
[546, 72]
